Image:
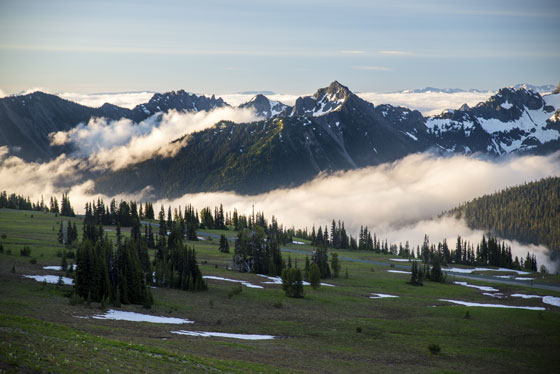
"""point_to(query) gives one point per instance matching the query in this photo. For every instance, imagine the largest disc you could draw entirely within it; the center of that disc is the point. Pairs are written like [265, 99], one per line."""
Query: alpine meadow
[292, 187]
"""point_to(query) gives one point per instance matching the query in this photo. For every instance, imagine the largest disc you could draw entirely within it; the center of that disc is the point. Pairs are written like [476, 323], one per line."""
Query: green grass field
[331, 330]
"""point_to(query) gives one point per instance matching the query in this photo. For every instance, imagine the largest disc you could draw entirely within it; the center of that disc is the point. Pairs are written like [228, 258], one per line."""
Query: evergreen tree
[292, 283]
[335, 265]
[224, 245]
[314, 276]
[416, 274]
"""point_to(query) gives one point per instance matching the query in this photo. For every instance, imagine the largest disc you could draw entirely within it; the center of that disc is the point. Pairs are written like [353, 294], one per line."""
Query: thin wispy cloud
[372, 68]
[170, 51]
[396, 53]
[352, 52]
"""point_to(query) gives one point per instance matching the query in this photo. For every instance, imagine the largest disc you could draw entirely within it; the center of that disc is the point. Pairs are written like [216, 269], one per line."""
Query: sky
[282, 46]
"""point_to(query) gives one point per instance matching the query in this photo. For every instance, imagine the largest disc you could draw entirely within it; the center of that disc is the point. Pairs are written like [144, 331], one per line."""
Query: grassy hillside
[330, 330]
[529, 213]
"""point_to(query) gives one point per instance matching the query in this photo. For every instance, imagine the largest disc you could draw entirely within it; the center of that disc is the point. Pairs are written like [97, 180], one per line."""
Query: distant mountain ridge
[547, 88]
[331, 130]
[336, 130]
[27, 120]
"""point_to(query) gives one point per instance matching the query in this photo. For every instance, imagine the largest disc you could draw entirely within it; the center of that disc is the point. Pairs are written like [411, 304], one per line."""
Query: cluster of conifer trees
[19, 202]
[103, 274]
[528, 213]
[123, 273]
[67, 234]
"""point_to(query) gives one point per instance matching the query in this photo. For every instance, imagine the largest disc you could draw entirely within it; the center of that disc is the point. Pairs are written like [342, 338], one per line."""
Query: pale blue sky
[284, 46]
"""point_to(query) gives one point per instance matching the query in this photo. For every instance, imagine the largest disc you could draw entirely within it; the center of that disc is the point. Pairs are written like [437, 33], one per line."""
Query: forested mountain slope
[529, 213]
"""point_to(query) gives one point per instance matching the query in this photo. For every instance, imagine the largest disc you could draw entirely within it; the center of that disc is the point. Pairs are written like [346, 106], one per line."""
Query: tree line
[527, 213]
[19, 202]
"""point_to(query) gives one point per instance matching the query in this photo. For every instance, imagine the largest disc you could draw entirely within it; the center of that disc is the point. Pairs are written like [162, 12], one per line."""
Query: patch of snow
[57, 268]
[201, 238]
[551, 300]
[553, 100]
[496, 295]
[246, 284]
[506, 105]
[402, 259]
[278, 280]
[482, 288]
[380, 295]
[399, 271]
[53, 279]
[465, 303]
[503, 276]
[207, 334]
[273, 280]
[471, 270]
[524, 296]
[411, 136]
[297, 242]
[523, 278]
[120, 315]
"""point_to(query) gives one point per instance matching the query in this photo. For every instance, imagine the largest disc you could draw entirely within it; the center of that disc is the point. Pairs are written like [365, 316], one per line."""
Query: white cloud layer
[115, 144]
[238, 99]
[428, 103]
[397, 200]
[123, 99]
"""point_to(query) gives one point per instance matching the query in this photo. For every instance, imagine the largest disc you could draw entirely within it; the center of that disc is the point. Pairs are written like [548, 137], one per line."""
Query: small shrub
[467, 315]
[237, 289]
[346, 275]
[434, 348]
[358, 329]
[219, 322]
[13, 268]
[25, 251]
[4, 236]
[278, 305]
[33, 261]
[74, 299]
[59, 253]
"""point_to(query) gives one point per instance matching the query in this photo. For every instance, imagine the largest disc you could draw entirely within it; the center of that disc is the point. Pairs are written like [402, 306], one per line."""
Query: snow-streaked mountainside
[333, 130]
[547, 88]
[515, 119]
[264, 107]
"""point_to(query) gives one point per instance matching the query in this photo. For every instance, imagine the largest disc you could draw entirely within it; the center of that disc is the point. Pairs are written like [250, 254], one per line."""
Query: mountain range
[329, 131]
[547, 88]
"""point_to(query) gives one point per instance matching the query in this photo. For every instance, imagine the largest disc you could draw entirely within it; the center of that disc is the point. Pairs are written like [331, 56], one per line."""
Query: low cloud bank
[396, 200]
[116, 144]
[428, 103]
[123, 99]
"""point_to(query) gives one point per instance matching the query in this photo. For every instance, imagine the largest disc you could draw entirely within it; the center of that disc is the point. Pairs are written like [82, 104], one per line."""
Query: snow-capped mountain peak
[513, 120]
[265, 107]
[324, 101]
